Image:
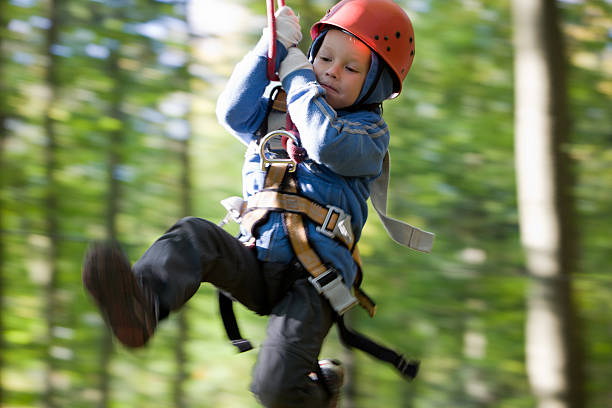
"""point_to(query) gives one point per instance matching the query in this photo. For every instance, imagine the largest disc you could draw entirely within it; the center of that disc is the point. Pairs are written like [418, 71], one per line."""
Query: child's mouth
[329, 88]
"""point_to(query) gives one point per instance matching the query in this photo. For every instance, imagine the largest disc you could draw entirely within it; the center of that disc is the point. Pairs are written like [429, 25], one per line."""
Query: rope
[272, 44]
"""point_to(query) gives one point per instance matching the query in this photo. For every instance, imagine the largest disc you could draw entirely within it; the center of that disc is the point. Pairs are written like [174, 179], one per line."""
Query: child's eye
[351, 69]
[326, 59]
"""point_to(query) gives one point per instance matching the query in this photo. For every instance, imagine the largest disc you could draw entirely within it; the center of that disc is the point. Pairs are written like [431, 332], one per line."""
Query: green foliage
[460, 310]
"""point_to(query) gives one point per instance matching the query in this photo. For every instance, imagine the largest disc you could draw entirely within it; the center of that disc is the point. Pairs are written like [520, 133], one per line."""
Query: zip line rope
[272, 43]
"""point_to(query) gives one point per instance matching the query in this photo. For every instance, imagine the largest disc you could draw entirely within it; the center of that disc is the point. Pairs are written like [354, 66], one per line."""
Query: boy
[361, 52]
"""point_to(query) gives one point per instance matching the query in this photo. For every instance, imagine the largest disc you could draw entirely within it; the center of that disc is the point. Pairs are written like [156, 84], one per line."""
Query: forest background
[107, 130]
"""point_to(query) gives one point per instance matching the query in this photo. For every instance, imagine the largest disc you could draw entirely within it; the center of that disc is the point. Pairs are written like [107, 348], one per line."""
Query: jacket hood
[378, 84]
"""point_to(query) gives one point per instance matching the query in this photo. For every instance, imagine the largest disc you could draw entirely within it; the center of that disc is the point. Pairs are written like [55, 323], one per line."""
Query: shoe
[129, 307]
[333, 377]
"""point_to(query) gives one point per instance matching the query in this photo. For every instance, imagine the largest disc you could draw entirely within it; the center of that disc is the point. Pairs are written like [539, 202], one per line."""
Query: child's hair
[380, 24]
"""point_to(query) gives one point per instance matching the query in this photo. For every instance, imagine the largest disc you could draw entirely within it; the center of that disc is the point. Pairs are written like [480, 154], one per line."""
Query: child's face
[341, 66]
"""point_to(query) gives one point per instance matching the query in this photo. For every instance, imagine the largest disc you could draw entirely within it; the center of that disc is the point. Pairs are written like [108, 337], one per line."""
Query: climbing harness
[280, 193]
[280, 154]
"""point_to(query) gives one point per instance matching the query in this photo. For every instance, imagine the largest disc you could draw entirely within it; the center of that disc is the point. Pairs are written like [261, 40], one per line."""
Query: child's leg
[296, 329]
[193, 251]
[133, 299]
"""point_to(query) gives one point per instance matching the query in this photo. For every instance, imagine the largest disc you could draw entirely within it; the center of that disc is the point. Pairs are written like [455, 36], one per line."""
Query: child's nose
[333, 71]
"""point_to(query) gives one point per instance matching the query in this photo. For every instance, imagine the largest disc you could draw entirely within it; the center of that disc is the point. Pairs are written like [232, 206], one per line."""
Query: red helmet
[380, 24]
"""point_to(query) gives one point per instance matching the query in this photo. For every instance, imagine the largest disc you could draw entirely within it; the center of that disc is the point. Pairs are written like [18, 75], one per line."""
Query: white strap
[401, 232]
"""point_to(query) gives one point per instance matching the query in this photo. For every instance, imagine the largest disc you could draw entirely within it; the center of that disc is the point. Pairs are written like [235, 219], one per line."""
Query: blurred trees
[107, 129]
[3, 135]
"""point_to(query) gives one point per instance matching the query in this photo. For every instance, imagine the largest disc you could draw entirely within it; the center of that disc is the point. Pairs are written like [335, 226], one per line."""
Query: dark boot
[333, 377]
[129, 307]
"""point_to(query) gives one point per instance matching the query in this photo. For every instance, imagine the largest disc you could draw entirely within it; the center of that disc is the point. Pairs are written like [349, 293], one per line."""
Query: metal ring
[262, 154]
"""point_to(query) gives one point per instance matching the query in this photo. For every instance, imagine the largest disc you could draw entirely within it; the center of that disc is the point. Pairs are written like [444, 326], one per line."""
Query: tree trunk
[2, 308]
[51, 207]
[183, 323]
[182, 374]
[545, 204]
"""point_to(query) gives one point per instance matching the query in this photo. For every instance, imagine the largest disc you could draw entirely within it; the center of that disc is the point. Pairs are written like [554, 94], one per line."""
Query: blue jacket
[345, 153]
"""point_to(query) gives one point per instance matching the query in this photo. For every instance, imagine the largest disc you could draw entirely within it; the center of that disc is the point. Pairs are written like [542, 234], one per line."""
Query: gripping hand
[288, 30]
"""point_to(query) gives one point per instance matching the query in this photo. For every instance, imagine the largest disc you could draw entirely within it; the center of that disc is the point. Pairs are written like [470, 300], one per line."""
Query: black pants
[195, 251]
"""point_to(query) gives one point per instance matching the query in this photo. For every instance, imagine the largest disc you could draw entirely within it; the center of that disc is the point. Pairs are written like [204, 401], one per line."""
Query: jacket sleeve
[351, 145]
[241, 107]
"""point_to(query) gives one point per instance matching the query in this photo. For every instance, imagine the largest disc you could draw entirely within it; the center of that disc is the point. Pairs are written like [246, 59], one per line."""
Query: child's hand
[288, 30]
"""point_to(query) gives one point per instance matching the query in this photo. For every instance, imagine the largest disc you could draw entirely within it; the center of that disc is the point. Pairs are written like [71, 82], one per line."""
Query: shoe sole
[108, 277]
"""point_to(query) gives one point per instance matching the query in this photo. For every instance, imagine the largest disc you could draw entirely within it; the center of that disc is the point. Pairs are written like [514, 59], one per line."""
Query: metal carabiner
[271, 149]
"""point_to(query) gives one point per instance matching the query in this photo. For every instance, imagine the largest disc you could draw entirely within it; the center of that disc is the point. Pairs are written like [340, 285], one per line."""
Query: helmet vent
[397, 34]
[376, 37]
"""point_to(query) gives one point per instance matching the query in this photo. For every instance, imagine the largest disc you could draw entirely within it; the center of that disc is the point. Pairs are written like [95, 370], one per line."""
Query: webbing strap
[299, 242]
[279, 102]
[350, 338]
[275, 200]
[226, 309]
[273, 181]
[292, 203]
[401, 232]
[275, 176]
[364, 300]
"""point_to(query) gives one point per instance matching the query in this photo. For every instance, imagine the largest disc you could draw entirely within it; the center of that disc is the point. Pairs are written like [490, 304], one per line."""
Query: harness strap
[401, 232]
[299, 242]
[298, 238]
[332, 221]
[275, 176]
[279, 101]
[350, 338]
[256, 216]
[226, 309]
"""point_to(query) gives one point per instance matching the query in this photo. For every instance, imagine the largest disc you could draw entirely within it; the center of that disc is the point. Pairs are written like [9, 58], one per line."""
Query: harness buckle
[332, 287]
[342, 228]
[271, 149]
